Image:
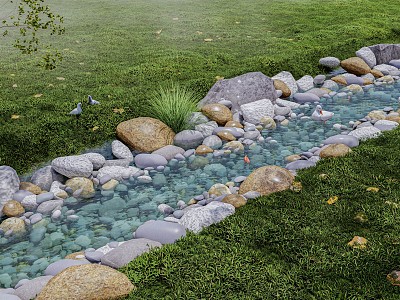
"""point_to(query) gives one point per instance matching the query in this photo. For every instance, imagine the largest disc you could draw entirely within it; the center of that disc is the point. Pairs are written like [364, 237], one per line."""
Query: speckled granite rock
[73, 166]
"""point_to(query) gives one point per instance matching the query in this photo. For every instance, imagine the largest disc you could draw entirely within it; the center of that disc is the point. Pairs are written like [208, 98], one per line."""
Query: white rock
[96, 159]
[120, 150]
[305, 83]
[73, 166]
[365, 133]
[367, 55]
[117, 172]
[287, 103]
[254, 111]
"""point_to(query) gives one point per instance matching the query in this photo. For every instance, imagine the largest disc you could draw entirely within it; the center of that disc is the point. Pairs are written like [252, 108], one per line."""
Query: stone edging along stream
[232, 115]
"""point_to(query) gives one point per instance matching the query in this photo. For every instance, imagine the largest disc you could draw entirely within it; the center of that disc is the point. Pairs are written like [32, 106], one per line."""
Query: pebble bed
[112, 216]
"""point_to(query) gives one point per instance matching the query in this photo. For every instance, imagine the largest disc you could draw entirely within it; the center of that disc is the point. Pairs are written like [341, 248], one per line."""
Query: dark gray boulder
[45, 176]
[384, 53]
[240, 90]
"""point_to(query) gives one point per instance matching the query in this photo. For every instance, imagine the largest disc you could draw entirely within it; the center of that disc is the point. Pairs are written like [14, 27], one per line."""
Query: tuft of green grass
[173, 105]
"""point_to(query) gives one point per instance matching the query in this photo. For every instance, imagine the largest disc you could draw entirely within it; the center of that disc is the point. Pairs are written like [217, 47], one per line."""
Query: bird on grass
[91, 101]
[77, 111]
[321, 115]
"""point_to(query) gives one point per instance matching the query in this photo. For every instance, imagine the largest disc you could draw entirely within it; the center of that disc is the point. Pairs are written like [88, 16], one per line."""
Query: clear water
[114, 215]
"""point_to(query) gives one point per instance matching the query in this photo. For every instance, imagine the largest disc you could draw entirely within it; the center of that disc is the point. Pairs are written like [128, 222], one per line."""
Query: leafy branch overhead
[33, 16]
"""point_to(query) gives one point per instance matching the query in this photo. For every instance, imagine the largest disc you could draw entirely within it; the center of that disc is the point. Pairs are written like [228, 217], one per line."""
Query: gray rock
[251, 195]
[288, 79]
[385, 125]
[252, 135]
[117, 162]
[197, 218]
[329, 62]
[120, 150]
[73, 166]
[282, 110]
[305, 83]
[206, 129]
[45, 176]
[348, 140]
[144, 160]
[197, 118]
[32, 288]
[367, 55]
[242, 89]
[287, 103]
[188, 139]
[239, 179]
[44, 197]
[305, 97]
[128, 251]
[104, 179]
[46, 208]
[9, 297]
[9, 185]
[354, 80]
[213, 141]
[254, 111]
[160, 231]
[169, 151]
[369, 76]
[395, 63]
[365, 133]
[96, 159]
[60, 265]
[319, 79]
[178, 213]
[330, 84]
[165, 209]
[20, 195]
[279, 93]
[29, 202]
[227, 103]
[385, 69]
[299, 164]
[94, 256]
[117, 172]
[385, 52]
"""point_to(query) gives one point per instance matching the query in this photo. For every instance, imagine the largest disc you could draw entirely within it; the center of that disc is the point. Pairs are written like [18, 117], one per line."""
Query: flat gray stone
[4, 296]
[300, 164]
[240, 90]
[203, 216]
[365, 133]
[96, 159]
[145, 160]
[29, 202]
[319, 79]
[104, 179]
[46, 208]
[9, 185]
[20, 195]
[44, 197]
[385, 69]
[73, 166]
[254, 111]
[206, 129]
[385, 125]
[282, 110]
[121, 151]
[60, 265]
[188, 139]
[395, 63]
[160, 231]
[94, 256]
[213, 141]
[32, 288]
[330, 84]
[169, 151]
[305, 83]
[117, 172]
[288, 79]
[128, 251]
[329, 62]
[117, 162]
[287, 103]
[305, 97]
[348, 140]
[355, 80]
[367, 55]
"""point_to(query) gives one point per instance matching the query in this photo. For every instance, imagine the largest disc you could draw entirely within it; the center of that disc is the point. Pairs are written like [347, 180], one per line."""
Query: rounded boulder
[217, 112]
[160, 231]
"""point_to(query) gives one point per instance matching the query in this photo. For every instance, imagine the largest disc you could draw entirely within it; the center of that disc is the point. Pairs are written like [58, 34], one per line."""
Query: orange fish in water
[246, 159]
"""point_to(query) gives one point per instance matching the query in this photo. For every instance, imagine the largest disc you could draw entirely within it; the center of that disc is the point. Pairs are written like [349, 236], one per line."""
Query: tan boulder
[87, 282]
[377, 115]
[76, 255]
[13, 208]
[377, 73]
[367, 81]
[145, 134]
[86, 184]
[110, 185]
[30, 187]
[335, 150]
[15, 224]
[235, 200]
[226, 136]
[339, 79]
[234, 146]
[292, 158]
[219, 189]
[267, 180]
[233, 124]
[217, 112]
[355, 65]
[393, 118]
[280, 85]
[203, 149]
[267, 122]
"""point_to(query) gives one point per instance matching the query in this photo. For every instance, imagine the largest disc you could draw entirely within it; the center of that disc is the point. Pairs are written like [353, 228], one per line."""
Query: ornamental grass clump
[173, 106]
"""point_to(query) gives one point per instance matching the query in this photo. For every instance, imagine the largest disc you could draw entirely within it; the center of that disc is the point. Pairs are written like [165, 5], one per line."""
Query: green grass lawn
[293, 245]
[112, 52]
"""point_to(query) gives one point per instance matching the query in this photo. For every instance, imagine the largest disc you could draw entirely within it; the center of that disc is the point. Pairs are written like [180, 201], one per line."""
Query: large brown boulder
[355, 65]
[145, 134]
[87, 282]
[267, 180]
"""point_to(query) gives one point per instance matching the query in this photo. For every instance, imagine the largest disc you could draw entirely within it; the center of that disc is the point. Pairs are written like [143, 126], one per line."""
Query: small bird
[246, 159]
[91, 101]
[321, 115]
[77, 111]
